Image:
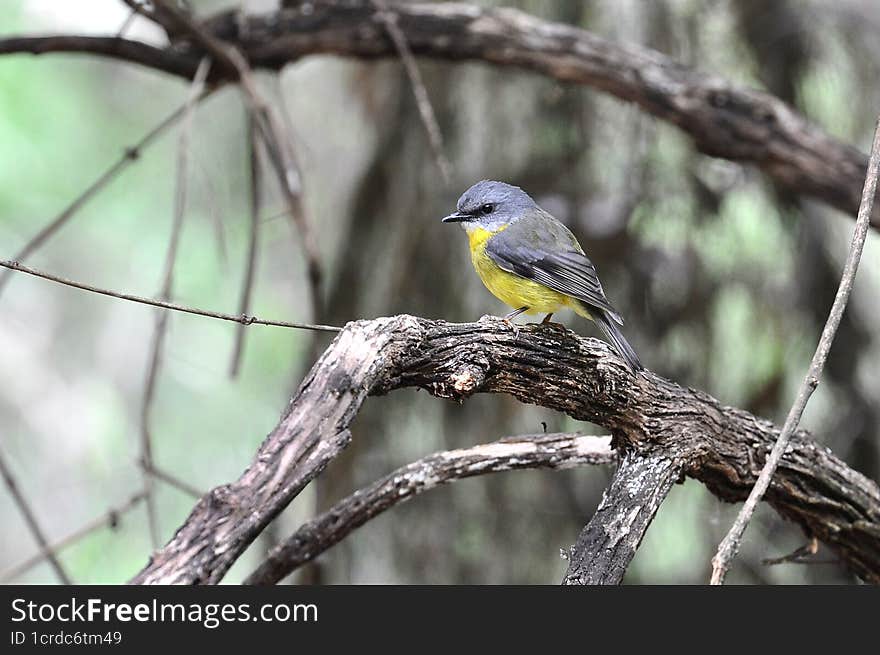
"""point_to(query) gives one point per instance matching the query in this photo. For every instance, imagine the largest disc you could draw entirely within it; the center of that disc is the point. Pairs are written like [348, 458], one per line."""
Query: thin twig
[730, 544]
[554, 451]
[31, 520]
[800, 555]
[156, 347]
[244, 320]
[278, 144]
[176, 22]
[423, 102]
[251, 265]
[215, 213]
[110, 518]
[283, 159]
[285, 135]
[171, 480]
[129, 155]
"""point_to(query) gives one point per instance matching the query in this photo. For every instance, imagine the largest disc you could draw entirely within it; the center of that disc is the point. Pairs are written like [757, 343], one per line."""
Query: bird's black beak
[457, 217]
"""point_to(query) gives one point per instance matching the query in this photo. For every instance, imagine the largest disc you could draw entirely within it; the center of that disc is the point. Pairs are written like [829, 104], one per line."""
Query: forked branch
[723, 447]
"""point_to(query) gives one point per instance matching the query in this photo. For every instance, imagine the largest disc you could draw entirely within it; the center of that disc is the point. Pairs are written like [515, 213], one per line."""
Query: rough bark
[609, 541]
[312, 431]
[553, 451]
[721, 446]
[724, 119]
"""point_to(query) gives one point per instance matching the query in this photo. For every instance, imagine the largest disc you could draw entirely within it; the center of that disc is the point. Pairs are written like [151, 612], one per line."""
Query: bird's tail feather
[618, 341]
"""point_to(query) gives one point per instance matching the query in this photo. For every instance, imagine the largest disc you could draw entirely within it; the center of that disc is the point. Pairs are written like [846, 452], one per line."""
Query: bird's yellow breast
[511, 289]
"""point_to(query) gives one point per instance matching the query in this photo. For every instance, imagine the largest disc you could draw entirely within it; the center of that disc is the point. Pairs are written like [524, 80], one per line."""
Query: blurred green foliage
[719, 275]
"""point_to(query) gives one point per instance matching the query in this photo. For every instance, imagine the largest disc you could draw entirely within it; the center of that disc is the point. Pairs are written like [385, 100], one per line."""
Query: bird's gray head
[490, 205]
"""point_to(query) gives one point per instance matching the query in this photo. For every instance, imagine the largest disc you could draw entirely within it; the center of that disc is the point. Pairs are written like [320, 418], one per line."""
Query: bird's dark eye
[487, 208]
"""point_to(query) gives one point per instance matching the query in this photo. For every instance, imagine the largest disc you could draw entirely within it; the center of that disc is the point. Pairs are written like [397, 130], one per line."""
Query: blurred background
[724, 281]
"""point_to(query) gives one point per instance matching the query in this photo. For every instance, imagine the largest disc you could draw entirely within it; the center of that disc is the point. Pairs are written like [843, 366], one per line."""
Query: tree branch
[724, 119]
[609, 541]
[730, 544]
[554, 451]
[723, 447]
[313, 430]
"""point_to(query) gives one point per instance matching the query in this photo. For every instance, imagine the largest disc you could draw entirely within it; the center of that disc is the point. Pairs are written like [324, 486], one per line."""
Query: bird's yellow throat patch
[477, 236]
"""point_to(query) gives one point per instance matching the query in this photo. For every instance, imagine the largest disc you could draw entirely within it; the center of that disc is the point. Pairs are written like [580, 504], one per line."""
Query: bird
[532, 262]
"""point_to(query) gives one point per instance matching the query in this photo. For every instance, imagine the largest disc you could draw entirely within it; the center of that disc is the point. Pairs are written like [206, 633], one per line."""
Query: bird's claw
[513, 326]
[553, 325]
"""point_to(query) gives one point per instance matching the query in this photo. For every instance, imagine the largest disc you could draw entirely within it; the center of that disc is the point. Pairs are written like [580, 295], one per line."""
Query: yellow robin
[532, 262]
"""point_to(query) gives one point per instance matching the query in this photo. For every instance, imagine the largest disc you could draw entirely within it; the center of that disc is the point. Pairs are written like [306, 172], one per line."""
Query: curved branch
[165, 60]
[553, 451]
[608, 542]
[723, 447]
[724, 119]
[312, 431]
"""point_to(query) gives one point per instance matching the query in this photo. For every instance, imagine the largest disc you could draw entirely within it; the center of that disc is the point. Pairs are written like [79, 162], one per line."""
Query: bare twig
[31, 519]
[801, 555]
[730, 544]
[215, 212]
[283, 159]
[553, 451]
[162, 59]
[171, 480]
[130, 155]
[177, 22]
[282, 132]
[607, 544]
[165, 294]
[244, 320]
[423, 102]
[277, 142]
[251, 265]
[110, 518]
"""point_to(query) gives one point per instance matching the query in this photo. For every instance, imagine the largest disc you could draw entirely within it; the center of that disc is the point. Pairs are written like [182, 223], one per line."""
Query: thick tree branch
[313, 430]
[554, 451]
[609, 541]
[723, 447]
[725, 120]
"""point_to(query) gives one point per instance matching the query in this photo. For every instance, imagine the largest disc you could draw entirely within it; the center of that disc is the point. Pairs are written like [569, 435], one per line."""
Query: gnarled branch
[723, 447]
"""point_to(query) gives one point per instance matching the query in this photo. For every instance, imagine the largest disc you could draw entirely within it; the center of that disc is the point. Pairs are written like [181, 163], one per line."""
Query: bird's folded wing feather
[552, 258]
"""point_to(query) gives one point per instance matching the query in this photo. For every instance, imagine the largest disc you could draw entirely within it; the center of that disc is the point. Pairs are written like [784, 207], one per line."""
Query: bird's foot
[513, 326]
[553, 325]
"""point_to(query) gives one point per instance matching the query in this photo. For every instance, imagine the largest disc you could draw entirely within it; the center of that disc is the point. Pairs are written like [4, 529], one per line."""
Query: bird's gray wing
[547, 252]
